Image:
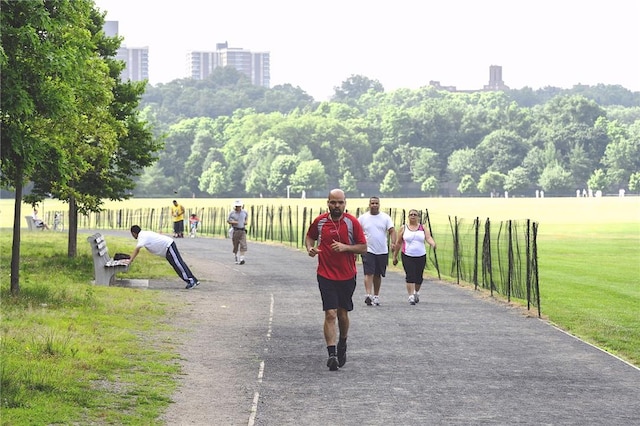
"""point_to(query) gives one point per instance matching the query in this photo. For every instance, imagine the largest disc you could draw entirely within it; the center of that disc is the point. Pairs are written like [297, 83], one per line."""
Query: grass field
[77, 354]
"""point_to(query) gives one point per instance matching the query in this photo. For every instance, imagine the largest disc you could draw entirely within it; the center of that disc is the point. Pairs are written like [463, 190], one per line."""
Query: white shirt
[413, 242]
[376, 227]
[156, 243]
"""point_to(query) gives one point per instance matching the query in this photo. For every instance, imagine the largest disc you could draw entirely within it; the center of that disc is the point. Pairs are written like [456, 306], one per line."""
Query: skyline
[559, 44]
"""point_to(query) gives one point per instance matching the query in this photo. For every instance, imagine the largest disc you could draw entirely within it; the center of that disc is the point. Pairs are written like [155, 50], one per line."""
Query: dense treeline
[225, 137]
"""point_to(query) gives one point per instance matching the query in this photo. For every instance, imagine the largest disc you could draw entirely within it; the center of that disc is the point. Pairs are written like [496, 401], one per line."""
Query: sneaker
[367, 300]
[416, 297]
[242, 262]
[342, 355]
[376, 300]
[412, 300]
[192, 285]
[332, 363]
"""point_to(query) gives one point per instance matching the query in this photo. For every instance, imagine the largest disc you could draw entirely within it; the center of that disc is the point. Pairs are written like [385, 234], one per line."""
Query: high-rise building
[136, 59]
[254, 65]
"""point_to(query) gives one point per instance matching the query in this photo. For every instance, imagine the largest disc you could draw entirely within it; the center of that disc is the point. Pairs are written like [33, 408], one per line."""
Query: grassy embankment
[77, 353]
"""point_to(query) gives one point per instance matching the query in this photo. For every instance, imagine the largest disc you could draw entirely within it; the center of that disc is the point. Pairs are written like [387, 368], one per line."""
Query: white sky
[403, 43]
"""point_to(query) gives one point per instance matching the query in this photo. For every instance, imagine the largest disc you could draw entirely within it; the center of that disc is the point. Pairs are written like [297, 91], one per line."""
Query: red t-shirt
[336, 266]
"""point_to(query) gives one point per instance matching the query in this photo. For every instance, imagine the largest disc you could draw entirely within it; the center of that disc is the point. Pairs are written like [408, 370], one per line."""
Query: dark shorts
[375, 264]
[336, 294]
[178, 226]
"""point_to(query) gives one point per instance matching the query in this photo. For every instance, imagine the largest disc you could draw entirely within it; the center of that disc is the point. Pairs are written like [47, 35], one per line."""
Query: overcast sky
[316, 45]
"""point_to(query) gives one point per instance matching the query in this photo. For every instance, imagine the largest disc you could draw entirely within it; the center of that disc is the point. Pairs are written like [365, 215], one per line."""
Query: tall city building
[254, 65]
[136, 59]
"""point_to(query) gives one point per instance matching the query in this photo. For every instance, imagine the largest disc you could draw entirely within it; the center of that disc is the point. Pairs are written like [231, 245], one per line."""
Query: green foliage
[348, 183]
[555, 178]
[634, 182]
[467, 185]
[598, 180]
[390, 184]
[491, 182]
[309, 176]
[430, 185]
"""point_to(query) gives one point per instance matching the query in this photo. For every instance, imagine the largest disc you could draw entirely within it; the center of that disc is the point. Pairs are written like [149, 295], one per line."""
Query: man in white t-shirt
[376, 225]
[161, 245]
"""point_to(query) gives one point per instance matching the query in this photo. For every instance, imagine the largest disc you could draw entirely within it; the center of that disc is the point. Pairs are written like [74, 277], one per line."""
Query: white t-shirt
[156, 243]
[376, 227]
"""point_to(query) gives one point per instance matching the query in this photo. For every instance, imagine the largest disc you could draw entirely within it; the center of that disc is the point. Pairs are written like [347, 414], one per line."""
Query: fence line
[501, 257]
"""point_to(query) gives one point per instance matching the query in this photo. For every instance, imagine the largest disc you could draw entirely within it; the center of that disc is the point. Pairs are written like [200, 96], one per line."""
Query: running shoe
[412, 300]
[342, 355]
[192, 285]
[367, 300]
[376, 300]
[332, 363]
[242, 262]
[416, 297]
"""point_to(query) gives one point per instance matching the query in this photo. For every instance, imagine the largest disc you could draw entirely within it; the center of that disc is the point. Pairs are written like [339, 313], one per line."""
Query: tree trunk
[15, 248]
[72, 245]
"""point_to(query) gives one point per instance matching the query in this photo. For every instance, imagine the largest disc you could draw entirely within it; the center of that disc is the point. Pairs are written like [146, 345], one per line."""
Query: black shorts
[414, 268]
[336, 294]
[375, 264]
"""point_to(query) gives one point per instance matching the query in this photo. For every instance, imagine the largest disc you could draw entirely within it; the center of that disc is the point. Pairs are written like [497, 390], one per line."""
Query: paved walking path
[253, 353]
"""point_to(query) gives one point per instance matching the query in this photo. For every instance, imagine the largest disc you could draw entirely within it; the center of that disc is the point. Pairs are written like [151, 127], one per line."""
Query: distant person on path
[411, 240]
[238, 219]
[162, 245]
[376, 226]
[177, 211]
[339, 238]
[37, 221]
[194, 222]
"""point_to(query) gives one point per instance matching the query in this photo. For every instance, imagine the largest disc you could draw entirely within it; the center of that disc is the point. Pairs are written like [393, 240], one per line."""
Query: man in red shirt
[339, 238]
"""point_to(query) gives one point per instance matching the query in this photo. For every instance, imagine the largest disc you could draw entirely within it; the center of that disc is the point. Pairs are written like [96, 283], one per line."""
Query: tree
[381, 164]
[214, 180]
[430, 185]
[492, 182]
[555, 178]
[390, 184]
[282, 168]
[598, 180]
[462, 162]
[424, 164]
[106, 144]
[355, 86]
[46, 53]
[309, 175]
[517, 180]
[348, 183]
[634, 182]
[467, 185]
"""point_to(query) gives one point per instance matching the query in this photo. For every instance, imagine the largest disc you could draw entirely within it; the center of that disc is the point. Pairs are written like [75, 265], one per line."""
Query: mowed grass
[79, 354]
[73, 353]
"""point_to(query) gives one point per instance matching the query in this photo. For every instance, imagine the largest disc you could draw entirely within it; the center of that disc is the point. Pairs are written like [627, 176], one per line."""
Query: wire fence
[501, 257]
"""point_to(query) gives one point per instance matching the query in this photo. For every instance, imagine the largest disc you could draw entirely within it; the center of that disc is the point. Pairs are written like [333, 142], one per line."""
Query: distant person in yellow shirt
[177, 211]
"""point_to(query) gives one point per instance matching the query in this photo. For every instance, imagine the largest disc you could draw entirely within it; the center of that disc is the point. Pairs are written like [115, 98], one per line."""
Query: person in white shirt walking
[162, 245]
[376, 225]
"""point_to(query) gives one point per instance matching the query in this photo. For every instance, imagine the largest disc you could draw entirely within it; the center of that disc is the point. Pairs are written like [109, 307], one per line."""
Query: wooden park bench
[105, 268]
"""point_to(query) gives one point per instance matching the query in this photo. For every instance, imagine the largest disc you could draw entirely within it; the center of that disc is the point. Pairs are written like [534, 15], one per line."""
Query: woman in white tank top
[411, 239]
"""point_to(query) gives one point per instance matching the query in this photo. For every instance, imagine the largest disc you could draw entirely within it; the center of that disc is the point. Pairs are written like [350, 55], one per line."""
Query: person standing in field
[411, 241]
[376, 226]
[238, 219]
[339, 238]
[162, 245]
[177, 211]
